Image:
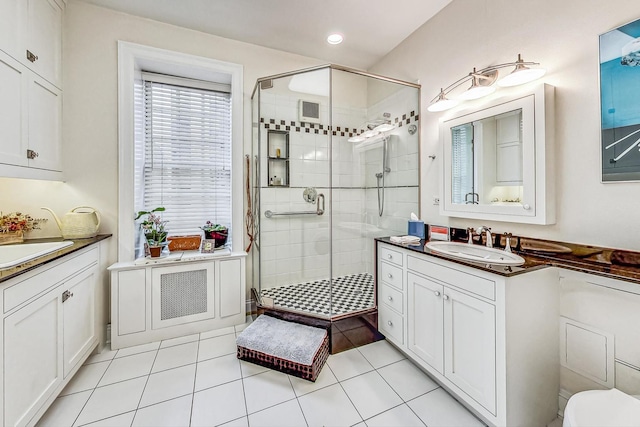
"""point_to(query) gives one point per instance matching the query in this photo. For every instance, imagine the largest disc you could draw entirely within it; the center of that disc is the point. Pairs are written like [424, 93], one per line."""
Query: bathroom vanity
[50, 327]
[491, 338]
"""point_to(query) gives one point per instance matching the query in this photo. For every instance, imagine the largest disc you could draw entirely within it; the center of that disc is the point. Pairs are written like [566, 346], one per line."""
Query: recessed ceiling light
[335, 38]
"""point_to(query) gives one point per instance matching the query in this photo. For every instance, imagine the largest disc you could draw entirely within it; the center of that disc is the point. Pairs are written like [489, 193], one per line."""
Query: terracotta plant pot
[155, 251]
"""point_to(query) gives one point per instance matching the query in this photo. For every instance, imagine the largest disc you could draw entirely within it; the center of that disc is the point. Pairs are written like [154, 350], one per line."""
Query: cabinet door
[44, 38]
[470, 346]
[45, 106]
[509, 163]
[231, 291]
[13, 112]
[425, 320]
[78, 318]
[13, 20]
[32, 357]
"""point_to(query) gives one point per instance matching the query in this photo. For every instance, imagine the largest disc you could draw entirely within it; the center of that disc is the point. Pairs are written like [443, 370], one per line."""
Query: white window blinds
[186, 161]
[462, 163]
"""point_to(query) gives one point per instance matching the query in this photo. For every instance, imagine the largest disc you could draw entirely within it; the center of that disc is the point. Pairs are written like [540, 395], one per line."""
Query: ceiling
[371, 28]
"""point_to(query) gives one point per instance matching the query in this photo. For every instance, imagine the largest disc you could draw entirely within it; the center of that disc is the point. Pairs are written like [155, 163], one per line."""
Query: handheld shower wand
[380, 175]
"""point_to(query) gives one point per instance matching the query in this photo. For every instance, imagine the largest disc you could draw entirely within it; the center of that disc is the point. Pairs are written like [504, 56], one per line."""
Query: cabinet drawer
[390, 323]
[391, 297]
[469, 282]
[28, 288]
[389, 255]
[391, 275]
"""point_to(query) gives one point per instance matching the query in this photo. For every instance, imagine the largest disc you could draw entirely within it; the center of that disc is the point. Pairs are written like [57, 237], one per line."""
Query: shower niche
[358, 153]
[278, 158]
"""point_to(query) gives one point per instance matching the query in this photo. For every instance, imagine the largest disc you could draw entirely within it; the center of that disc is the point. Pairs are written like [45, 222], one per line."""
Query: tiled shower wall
[296, 249]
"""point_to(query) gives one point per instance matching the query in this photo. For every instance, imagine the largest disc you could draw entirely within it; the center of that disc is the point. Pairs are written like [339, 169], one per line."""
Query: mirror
[496, 162]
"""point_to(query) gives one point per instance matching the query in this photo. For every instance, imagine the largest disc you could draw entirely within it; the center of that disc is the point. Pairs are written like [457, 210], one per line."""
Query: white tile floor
[198, 381]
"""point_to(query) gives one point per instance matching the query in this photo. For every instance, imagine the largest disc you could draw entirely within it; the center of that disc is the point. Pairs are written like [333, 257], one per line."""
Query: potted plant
[154, 230]
[13, 226]
[217, 232]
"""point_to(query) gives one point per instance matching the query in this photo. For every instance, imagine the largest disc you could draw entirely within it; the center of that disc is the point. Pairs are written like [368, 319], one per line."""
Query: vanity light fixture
[482, 83]
[335, 38]
[374, 130]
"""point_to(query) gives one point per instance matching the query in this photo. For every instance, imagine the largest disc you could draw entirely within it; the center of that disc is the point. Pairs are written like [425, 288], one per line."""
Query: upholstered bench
[288, 347]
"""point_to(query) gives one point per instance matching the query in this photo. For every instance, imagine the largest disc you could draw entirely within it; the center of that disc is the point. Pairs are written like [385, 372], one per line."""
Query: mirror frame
[538, 201]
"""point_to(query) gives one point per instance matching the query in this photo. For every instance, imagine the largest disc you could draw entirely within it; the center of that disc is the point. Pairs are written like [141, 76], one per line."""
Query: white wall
[563, 37]
[90, 106]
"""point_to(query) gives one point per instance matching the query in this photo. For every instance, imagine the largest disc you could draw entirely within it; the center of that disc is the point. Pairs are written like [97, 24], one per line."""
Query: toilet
[602, 408]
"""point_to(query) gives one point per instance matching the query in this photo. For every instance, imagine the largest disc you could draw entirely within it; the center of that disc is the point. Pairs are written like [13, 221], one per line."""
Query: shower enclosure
[335, 157]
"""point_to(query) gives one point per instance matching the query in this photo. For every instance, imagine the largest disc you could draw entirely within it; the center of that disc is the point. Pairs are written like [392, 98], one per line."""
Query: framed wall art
[620, 103]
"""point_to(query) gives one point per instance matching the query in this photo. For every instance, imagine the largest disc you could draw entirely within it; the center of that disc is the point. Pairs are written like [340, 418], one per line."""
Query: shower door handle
[320, 210]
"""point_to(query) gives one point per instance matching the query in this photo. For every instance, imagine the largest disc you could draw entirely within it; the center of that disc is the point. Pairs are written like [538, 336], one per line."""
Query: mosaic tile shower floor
[347, 294]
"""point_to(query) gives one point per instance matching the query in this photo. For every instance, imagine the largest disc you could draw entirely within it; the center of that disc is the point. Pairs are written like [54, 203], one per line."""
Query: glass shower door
[295, 193]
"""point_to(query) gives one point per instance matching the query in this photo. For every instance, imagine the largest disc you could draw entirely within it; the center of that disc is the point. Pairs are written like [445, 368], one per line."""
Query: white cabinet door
[79, 318]
[425, 327]
[32, 357]
[231, 291]
[128, 303]
[45, 106]
[13, 111]
[44, 38]
[470, 346]
[13, 20]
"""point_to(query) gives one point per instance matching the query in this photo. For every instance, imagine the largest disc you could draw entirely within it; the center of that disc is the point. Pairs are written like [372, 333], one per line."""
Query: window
[183, 160]
[199, 74]
[462, 164]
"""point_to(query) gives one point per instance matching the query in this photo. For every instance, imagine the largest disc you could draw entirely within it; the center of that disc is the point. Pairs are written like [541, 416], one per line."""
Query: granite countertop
[11, 272]
[583, 258]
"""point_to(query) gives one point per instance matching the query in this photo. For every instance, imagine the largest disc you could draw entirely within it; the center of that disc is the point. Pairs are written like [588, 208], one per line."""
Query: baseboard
[563, 398]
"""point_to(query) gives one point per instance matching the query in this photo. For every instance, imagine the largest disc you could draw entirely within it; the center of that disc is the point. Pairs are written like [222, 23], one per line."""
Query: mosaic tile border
[320, 129]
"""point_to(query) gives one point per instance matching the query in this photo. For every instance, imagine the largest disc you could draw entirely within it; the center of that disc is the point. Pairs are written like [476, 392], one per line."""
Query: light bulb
[521, 75]
[369, 133]
[385, 127]
[335, 38]
[475, 92]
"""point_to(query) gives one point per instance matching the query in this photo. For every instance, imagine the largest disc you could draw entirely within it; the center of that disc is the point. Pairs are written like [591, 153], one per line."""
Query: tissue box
[416, 228]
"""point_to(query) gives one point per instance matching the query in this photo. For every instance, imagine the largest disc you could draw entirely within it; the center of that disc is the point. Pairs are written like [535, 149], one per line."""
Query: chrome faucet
[470, 232]
[487, 231]
[507, 244]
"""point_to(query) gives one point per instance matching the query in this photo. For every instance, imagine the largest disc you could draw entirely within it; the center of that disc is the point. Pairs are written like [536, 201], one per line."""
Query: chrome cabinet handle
[389, 275]
[390, 256]
[437, 293]
[390, 323]
[445, 297]
[526, 206]
[390, 298]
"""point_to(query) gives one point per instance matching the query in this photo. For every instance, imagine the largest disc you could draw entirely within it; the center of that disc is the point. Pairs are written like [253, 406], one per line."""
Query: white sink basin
[12, 255]
[476, 253]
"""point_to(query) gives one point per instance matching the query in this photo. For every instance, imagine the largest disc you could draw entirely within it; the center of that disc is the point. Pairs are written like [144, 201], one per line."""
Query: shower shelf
[278, 158]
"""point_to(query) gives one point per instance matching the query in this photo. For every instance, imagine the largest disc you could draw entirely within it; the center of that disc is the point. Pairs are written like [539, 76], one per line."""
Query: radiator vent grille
[183, 294]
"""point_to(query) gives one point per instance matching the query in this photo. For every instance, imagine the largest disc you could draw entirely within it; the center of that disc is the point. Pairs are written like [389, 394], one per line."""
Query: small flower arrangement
[217, 232]
[153, 227]
[19, 222]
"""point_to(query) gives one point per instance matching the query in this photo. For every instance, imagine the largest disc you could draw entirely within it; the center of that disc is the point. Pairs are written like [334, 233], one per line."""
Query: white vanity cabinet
[49, 329]
[30, 81]
[391, 295]
[482, 335]
[152, 302]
